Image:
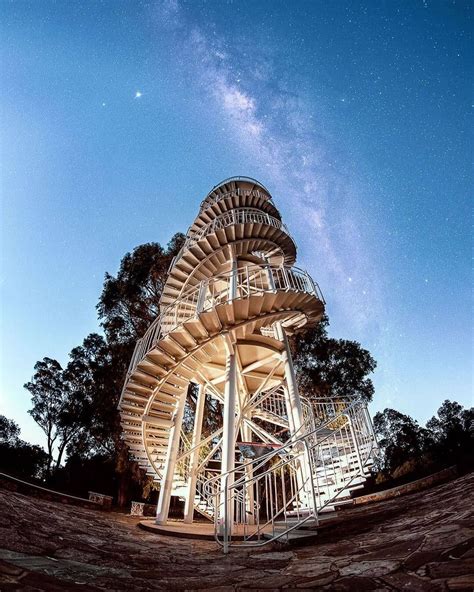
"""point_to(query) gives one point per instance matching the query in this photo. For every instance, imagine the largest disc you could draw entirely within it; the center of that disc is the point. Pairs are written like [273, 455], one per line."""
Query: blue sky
[353, 114]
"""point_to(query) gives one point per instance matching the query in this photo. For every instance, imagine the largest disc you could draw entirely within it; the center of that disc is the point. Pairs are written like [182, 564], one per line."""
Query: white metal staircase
[231, 297]
[340, 452]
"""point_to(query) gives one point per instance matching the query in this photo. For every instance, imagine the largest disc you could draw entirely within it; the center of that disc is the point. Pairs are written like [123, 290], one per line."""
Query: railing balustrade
[208, 201]
[272, 401]
[217, 290]
[337, 453]
[230, 218]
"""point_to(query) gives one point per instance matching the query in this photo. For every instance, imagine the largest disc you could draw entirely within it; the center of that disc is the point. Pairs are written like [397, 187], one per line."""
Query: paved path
[421, 542]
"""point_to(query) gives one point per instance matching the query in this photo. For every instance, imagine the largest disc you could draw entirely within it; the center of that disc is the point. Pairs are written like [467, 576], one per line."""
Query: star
[138, 94]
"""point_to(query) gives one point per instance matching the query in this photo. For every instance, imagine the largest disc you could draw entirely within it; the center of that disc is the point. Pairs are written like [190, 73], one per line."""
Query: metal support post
[295, 411]
[201, 297]
[228, 442]
[233, 280]
[170, 463]
[271, 280]
[293, 396]
[249, 493]
[194, 455]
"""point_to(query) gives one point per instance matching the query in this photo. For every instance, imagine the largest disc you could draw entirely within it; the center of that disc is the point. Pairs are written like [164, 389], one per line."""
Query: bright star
[138, 94]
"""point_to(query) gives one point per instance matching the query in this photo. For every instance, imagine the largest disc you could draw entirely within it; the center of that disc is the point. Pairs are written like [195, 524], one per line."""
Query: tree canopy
[18, 457]
[9, 430]
[406, 447]
[51, 404]
[329, 367]
[130, 300]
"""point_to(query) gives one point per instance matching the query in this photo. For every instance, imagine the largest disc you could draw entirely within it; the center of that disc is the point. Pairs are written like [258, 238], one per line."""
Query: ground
[419, 542]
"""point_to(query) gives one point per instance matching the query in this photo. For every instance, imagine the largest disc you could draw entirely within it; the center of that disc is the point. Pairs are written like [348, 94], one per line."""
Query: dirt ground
[420, 542]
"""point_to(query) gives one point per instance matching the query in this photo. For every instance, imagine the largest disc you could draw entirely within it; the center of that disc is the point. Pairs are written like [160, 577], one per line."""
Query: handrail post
[285, 276]
[311, 479]
[226, 516]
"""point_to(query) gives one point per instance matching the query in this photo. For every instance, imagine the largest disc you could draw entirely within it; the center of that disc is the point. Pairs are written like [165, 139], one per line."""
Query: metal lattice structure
[231, 298]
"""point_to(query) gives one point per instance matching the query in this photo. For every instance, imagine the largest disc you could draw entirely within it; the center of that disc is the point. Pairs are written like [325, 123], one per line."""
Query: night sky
[118, 117]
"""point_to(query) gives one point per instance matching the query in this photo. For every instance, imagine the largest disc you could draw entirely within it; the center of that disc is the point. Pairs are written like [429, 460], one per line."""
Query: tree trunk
[60, 454]
[50, 455]
[123, 489]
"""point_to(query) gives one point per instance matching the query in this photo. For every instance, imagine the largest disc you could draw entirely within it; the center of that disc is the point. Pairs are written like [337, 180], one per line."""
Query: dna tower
[273, 461]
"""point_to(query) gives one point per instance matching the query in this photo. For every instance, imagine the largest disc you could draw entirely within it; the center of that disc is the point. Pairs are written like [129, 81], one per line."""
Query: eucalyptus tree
[18, 457]
[50, 399]
[9, 430]
[329, 367]
[93, 384]
[130, 300]
[452, 434]
[401, 439]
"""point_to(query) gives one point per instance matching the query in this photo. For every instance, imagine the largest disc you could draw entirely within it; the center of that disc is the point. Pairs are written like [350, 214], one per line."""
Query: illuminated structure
[231, 298]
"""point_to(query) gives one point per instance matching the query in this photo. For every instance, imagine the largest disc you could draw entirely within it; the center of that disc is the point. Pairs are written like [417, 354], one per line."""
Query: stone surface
[420, 542]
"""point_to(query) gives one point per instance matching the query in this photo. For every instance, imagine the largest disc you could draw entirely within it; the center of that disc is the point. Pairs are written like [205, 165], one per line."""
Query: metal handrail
[217, 290]
[354, 415]
[230, 218]
[294, 440]
[230, 180]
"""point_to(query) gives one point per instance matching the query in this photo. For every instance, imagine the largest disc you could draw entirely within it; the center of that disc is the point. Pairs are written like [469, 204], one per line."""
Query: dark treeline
[76, 404]
[409, 450]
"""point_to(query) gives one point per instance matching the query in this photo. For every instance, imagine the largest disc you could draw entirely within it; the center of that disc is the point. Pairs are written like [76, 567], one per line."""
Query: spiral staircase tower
[231, 298]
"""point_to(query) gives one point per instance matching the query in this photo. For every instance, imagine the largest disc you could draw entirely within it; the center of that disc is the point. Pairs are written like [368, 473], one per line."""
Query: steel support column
[228, 442]
[194, 455]
[295, 417]
[293, 397]
[170, 463]
[233, 279]
[249, 490]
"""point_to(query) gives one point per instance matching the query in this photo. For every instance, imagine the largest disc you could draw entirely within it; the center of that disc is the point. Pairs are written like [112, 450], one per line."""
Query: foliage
[94, 379]
[130, 301]
[399, 436]
[328, 367]
[9, 430]
[407, 448]
[18, 457]
[452, 433]
[76, 406]
[52, 405]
